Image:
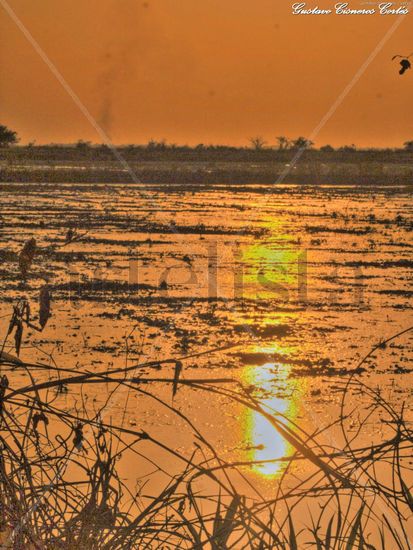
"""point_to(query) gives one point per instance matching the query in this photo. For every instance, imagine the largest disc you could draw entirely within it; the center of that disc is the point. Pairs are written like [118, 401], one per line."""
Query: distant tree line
[257, 143]
[9, 137]
[284, 143]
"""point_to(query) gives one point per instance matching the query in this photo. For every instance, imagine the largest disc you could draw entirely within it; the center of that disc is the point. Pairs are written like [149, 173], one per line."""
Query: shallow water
[301, 281]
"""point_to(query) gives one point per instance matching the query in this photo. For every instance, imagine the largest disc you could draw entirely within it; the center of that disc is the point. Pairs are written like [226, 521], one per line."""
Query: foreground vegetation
[60, 486]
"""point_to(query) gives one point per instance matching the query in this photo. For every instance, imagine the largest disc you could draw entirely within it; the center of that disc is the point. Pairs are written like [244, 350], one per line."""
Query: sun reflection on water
[280, 394]
[271, 271]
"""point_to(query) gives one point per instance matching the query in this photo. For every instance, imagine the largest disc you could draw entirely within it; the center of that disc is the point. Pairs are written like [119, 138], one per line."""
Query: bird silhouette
[404, 63]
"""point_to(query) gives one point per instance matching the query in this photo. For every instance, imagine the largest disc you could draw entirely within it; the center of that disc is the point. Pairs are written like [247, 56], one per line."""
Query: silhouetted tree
[302, 143]
[257, 143]
[283, 143]
[327, 149]
[348, 148]
[83, 145]
[7, 136]
[154, 145]
[408, 146]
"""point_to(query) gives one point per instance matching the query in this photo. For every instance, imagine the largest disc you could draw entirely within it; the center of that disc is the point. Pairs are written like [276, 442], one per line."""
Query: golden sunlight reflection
[271, 271]
[278, 394]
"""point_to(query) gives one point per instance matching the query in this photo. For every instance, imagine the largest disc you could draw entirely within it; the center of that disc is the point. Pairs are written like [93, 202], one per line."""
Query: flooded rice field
[284, 289]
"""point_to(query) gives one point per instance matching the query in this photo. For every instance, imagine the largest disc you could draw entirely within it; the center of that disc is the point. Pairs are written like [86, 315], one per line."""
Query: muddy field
[299, 282]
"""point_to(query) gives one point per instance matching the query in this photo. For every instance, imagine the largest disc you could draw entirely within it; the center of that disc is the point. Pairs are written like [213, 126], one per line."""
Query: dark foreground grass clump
[61, 487]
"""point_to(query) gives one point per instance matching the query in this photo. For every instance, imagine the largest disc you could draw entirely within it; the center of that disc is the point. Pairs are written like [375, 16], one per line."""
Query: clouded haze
[207, 71]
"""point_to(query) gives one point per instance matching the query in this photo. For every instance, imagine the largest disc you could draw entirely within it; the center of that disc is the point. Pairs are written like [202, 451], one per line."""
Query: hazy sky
[194, 71]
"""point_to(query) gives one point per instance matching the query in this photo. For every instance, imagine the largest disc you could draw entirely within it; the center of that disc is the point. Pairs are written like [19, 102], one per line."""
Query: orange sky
[211, 71]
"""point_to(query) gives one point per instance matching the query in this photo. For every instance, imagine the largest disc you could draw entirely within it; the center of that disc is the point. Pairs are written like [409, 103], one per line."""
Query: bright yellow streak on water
[282, 396]
[271, 272]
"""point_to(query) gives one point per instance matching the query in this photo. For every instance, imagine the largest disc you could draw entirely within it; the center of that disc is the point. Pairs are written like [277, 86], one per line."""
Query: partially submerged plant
[21, 317]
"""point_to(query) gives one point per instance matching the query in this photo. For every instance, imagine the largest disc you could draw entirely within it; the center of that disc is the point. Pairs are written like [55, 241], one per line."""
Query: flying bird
[404, 63]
